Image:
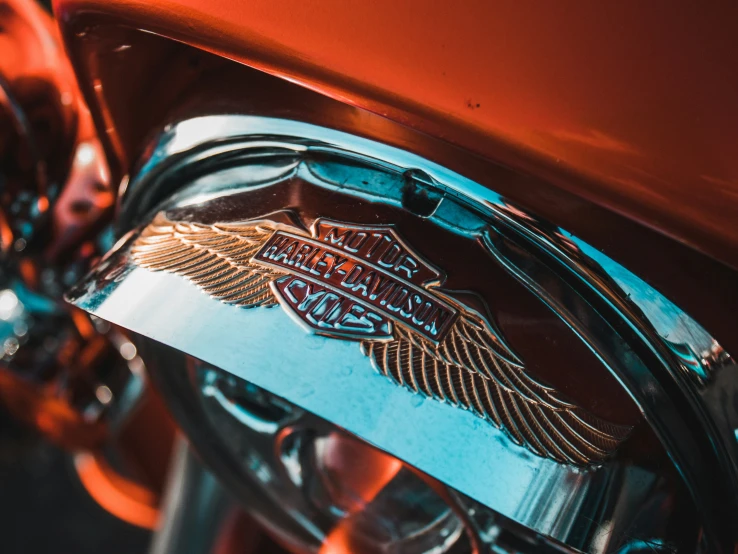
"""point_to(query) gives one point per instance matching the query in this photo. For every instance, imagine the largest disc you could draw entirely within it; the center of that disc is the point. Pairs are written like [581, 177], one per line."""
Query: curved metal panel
[221, 174]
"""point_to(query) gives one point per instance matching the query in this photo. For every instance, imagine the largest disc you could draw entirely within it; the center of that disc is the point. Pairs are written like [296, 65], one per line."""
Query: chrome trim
[675, 388]
[452, 354]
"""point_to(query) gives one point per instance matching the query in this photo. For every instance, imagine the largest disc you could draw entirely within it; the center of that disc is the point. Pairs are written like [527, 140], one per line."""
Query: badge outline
[427, 287]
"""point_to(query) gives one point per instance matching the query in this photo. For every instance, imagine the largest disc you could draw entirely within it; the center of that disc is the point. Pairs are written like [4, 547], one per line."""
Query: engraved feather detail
[470, 367]
[473, 370]
[217, 258]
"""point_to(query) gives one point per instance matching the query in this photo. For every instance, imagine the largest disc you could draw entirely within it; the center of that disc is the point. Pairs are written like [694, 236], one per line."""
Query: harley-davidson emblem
[365, 283]
[356, 281]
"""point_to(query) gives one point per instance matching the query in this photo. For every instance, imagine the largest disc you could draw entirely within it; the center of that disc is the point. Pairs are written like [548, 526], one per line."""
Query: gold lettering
[323, 309]
[398, 298]
[300, 294]
[411, 304]
[350, 279]
[338, 262]
[300, 254]
[382, 289]
[357, 318]
[380, 238]
[422, 313]
[321, 263]
[366, 281]
[437, 321]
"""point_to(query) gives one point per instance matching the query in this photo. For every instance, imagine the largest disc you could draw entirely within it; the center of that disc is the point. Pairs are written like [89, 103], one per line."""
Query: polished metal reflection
[260, 153]
[366, 283]
[308, 480]
[321, 477]
[195, 507]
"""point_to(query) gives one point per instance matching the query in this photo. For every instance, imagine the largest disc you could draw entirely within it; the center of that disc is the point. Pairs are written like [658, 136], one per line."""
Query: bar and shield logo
[356, 281]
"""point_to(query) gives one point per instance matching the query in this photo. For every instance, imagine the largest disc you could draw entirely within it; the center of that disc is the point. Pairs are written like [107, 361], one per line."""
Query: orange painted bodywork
[631, 106]
[39, 78]
[31, 50]
[37, 81]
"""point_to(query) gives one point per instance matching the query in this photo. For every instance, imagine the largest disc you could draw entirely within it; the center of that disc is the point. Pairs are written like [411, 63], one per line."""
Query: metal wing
[214, 257]
[472, 368]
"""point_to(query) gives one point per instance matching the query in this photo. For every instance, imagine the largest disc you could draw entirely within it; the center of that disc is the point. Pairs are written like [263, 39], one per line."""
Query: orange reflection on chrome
[124, 499]
[49, 413]
[28, 272]
[42, 204]
[366, 471]
[82, 323]
[6, 233]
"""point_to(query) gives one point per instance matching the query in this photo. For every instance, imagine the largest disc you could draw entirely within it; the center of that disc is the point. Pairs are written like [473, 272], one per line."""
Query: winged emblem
[365, 283]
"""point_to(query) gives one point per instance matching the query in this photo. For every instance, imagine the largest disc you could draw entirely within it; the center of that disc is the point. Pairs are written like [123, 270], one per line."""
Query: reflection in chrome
[330, 484]
[698, 353]
[380, 292]
[61, 374]
[344, 486]
[227, 168]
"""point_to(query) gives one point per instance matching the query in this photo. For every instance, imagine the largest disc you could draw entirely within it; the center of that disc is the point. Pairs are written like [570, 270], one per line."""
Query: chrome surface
[236, 168]
[309, 481]
[195, 507]
[315, 478]
[308, 469]
[452, 446]
[367, 284]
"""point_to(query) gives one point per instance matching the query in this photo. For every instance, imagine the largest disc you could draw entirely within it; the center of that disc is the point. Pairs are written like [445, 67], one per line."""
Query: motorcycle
[358, 277]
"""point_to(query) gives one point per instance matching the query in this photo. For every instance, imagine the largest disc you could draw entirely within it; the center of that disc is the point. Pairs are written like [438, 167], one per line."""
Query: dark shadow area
[43, 506]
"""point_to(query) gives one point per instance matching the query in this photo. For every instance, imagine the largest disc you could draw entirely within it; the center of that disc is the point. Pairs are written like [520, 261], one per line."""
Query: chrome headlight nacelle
[513, 362]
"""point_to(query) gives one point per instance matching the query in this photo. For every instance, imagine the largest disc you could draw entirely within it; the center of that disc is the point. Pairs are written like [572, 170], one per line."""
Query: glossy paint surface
[630, 106]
